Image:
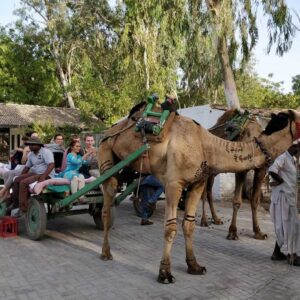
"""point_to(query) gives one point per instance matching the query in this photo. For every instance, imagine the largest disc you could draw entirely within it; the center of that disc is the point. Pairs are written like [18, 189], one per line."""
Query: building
[14, 118]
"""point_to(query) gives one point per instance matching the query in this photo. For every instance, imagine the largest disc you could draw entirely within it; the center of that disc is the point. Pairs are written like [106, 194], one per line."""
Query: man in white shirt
[283, 208]
[39, 167]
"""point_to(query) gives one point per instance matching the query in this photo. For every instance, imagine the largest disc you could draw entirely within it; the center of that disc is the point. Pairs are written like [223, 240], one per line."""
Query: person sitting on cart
[74, 162]
[17, 164]
[91, 168]
[39, 167]
[74, 138]
[57, 148]
[150, 190]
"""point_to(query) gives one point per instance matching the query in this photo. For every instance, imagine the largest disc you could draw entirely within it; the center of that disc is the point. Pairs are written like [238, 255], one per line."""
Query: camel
[187, 156]
[252, 129]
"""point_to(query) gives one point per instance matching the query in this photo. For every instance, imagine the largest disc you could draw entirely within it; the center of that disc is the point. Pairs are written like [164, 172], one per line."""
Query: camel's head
[136, 111]
[285, 119]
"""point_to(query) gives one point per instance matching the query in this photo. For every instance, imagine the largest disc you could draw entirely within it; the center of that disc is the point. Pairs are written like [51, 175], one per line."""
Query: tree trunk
[146, 70]
[70, 100]
[229, 82]
[64, 83]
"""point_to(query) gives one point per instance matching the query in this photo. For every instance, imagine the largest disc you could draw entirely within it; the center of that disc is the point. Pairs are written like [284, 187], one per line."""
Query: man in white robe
[283, 208]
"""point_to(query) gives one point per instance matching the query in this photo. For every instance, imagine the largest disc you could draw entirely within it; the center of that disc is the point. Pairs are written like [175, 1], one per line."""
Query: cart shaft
[109, 173]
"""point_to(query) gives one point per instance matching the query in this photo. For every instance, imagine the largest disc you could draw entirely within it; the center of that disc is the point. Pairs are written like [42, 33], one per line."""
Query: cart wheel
[138, 209]
[97, 216]
[35, 219]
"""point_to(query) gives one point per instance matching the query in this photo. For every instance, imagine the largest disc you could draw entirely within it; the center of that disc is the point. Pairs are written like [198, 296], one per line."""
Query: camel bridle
[265, 152]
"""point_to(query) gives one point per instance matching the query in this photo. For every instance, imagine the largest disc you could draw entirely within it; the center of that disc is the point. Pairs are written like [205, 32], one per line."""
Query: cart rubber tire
[35, 219]
[137, 207]
[97, 216]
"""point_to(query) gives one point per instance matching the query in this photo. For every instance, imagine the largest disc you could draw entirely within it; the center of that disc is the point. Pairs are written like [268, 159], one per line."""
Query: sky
[283, 68]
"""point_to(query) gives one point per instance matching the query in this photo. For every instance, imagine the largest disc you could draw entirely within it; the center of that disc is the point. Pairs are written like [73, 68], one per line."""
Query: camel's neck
[226, 156]
[223, 155]
[276, 143]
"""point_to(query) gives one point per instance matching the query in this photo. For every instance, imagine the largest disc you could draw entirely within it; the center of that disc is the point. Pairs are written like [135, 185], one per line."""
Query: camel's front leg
[188, 226]
[259, 176]
[109, 191]
[239, 181]
[173, 192]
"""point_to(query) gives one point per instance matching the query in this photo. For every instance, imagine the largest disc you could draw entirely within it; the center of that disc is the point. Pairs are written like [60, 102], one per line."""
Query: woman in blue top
[74, 162]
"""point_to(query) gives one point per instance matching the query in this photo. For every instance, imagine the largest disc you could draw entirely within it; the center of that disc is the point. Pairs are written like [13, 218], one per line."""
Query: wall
[15, 138]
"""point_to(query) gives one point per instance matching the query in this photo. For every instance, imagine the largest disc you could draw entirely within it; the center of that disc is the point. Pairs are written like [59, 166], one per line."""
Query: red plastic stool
[8, 227]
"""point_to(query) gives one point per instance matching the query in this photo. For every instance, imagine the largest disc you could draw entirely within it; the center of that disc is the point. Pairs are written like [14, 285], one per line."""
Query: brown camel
[188, 155]
[252, 129]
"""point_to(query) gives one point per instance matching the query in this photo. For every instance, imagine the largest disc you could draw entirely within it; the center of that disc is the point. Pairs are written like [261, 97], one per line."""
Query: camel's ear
[292, 115]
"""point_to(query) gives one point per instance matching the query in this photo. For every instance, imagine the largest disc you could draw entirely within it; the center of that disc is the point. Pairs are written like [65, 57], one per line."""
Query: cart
[52, 204]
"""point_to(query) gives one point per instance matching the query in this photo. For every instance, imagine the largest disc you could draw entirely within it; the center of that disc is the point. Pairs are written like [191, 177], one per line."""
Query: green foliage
[280, 27]
[296, 85]
[107, 58]
[27, 74]
[47, 130]
[257, 92]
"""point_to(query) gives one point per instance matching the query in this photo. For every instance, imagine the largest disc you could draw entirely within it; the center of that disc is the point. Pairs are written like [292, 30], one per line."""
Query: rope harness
[265, 152]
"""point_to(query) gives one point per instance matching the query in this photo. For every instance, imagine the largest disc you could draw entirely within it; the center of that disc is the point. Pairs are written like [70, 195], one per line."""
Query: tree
[296, 85]
[152, 34]
[56, 19]
[258, 92]
[103, 58]
[231, 25]
[27, 74]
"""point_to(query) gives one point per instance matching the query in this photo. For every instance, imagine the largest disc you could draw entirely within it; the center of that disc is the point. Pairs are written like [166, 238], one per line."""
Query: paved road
[66, 264]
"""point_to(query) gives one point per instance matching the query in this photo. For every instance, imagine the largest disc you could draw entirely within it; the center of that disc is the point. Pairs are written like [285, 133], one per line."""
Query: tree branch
[37, 11]
[298, 17]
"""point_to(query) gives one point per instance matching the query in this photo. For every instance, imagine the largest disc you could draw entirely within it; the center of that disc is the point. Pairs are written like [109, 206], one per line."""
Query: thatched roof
[17, 115]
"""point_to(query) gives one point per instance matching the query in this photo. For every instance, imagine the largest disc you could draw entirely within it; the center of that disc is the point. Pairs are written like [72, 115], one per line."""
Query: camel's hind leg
[207, 194]
[259, 176]
[109, 188]
[239, 181]
[204, 221]
[173, 192]
[188, 226]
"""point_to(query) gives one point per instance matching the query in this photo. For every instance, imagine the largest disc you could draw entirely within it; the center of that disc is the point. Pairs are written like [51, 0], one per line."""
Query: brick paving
[66, 264]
